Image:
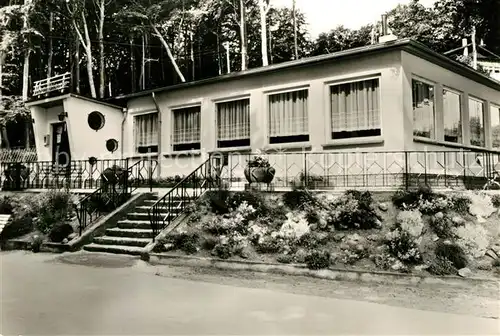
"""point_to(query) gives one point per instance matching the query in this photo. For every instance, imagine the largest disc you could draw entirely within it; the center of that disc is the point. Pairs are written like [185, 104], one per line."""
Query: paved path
[43, 296]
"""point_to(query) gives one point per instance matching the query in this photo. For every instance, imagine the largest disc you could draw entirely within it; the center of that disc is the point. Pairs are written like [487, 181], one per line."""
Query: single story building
[368, 114]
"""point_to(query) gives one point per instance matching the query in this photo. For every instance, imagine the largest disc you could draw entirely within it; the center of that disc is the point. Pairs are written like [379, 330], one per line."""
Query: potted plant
[259, 170]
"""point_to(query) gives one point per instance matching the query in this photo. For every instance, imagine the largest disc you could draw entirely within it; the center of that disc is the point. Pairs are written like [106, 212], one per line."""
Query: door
[61, 155]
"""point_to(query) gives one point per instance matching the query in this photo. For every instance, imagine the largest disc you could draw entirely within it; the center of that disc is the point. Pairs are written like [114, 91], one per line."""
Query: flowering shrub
[434, 205]
[403, 246]
[473, 239]
[318, 260]
[410, 222]
[298, 198]
[294, 227]
[234, 221]
[231, 244]
[495, 200]
[256, 233]
[259, 161]
[441, 266]
[481, 205]
[353, 210]
[442, 225]
[453, 253]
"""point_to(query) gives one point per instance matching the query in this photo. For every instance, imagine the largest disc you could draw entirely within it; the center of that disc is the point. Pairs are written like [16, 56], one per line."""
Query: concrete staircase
[133, 233]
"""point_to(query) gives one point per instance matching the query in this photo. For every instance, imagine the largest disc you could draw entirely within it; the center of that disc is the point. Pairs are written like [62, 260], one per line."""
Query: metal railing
[51, 84]
[344, 170]
[189, 189]
[114, 191]
[78, 174]
[18, 155]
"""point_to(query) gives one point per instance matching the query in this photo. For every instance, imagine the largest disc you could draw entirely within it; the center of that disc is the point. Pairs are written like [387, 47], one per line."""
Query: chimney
[386, 37]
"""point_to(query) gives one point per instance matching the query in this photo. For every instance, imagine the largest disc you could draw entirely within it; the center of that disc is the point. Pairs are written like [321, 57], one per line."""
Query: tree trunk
[77, 65]
[102, 70]
[88, 53]
[264, 8]
[2, 58]
[143, 62]
[193, 67]
[26, 74]
[243, 36]
[5, 137]
[295, 31]
[132, 64]
[51, 46]
[169, 53]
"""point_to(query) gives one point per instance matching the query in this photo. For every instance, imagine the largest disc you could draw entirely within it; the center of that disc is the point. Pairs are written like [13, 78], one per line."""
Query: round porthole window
[96, 120]
[112, 145]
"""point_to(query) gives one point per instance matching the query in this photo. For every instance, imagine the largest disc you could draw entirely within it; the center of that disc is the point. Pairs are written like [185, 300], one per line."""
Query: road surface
[56, 295]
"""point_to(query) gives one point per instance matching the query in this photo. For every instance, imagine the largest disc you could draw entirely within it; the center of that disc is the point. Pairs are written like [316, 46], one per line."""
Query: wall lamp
[62, 115]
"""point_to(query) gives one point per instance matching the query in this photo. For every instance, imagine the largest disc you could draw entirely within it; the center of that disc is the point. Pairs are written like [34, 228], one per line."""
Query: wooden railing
[51, 84]
[18, 155]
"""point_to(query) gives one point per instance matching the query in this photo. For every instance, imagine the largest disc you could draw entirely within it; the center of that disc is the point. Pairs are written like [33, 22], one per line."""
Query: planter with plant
[259, 170]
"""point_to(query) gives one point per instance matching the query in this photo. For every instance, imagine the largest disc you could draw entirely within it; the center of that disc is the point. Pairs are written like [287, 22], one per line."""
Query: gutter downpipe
[125, 114]
[158, 167]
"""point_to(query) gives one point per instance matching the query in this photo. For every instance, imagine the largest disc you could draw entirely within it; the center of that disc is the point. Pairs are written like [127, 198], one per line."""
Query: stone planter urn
[258, 170]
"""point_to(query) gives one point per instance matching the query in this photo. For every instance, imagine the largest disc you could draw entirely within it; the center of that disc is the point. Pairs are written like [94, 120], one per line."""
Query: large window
[495, 126]
[288, 117]
[187, 126]
[476, 122]
[233, 123]
[423, 109]
[452, 116]
[146, 133]
[355, 109]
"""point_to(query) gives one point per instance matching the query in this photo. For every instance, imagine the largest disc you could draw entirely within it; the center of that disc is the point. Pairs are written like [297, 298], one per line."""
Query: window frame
[434, 104]
[494, 105]
[174, 146]
[329, 86]
[287, 140]
[484, 104]
[461, 113]
[232, 143]
[134, 143]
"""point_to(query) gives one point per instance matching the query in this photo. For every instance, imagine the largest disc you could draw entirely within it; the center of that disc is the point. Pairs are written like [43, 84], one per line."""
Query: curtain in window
[355, 106]
[233, 120]
[423, 110]
[288, 114]
[146, 130]
[495, 126]
[476, 122]
[452, 117]
[187, 125]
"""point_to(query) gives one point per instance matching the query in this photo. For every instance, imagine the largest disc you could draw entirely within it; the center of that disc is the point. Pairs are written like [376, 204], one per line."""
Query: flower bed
[418, 231]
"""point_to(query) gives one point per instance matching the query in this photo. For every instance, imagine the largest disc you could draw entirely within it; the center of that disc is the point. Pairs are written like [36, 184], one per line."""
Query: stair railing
[173, 203]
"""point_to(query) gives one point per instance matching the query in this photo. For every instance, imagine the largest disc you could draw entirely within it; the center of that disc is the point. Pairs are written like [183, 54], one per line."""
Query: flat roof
[408, 45]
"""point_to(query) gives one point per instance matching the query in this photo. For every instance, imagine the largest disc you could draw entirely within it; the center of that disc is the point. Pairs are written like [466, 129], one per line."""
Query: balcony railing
[56, 83]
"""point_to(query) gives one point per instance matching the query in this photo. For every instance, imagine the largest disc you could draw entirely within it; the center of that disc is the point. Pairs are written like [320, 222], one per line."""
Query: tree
[264, 7]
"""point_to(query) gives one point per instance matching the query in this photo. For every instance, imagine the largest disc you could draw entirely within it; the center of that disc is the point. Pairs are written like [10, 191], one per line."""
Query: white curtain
[187, 125]
[423, 109]
[452, 115]
[146, 130]
[355, 106]
[233, 120]
[495, 126]
[288, 115]
[476, 122]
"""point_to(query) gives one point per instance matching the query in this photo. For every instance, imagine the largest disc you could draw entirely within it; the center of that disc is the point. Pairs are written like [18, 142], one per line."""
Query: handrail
[153, 164]
[55, 83]
[199, 180]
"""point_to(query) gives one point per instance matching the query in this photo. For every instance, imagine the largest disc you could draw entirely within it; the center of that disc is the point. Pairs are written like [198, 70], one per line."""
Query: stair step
[131, 233]
[134, 224]
[145, 209]
[145, 216]
[119, 241]
[116, 249]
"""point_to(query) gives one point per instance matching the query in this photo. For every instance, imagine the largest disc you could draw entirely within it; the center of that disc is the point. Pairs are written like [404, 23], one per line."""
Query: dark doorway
[61, 155]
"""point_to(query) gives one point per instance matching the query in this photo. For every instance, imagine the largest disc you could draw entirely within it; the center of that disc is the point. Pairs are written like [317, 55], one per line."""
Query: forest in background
[114, 47]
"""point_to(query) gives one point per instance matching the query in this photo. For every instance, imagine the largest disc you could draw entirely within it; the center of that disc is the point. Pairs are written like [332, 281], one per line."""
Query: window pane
[146, 132]
[355, 109]
[495, 126]
[186, 125]
[476, 122]
[423, 109]
[233, 120]
[452, 117]
[288, 116]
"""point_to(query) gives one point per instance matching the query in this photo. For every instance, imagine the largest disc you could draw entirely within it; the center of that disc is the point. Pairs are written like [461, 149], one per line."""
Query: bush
[284, 259]
[353, 211]
[54, 207]
[410, 222]
[60, 232]
[7, 205]
[441, 266]
[251, 198]
[461, 204]
[222, 251]
[218, 201]
[186, 242]
[408, 199]
[495, 200]
[442, 226]
[36, 244]
[21, 224]
[209, 243]
[317, 260]
[269, 245]
[473, 239]
[403, 246]
[453, 253]
[297, 198]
